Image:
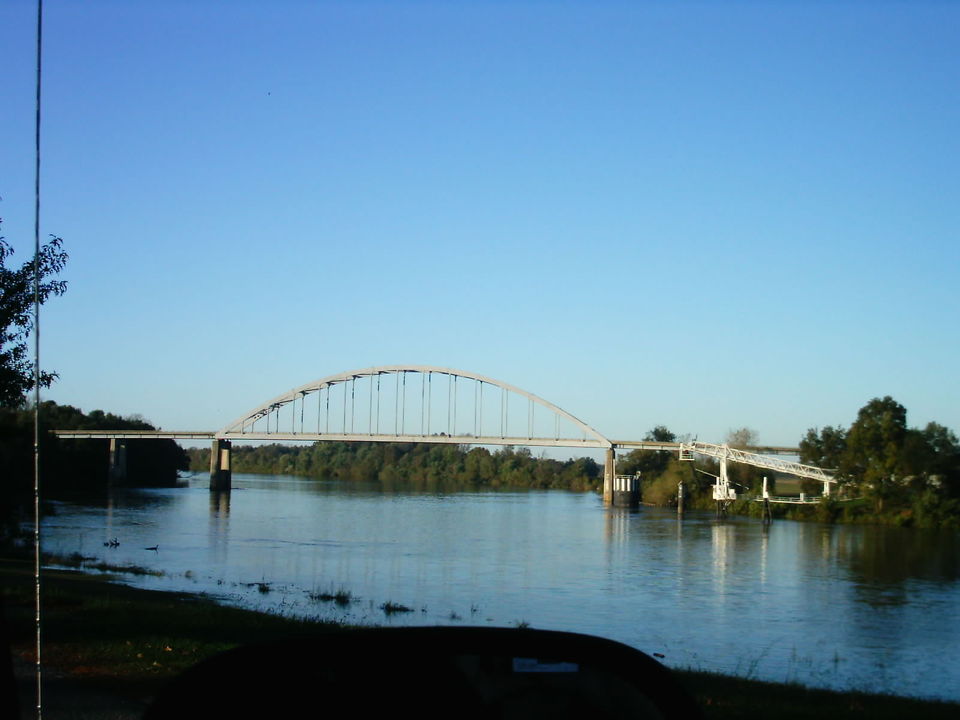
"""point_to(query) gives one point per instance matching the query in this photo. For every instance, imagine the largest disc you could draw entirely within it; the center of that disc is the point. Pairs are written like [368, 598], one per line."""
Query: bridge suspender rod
[429, 398]
[326, 427]
[403, 404]
[370, 408]
[476, 388]
[353, 402]
[378, 404]
[453, 429]
[423, 397]
[396, 405]
[480, 411]
[319, 407]
[303, 404]
[506, 413]
[503, 411]
[529, 419]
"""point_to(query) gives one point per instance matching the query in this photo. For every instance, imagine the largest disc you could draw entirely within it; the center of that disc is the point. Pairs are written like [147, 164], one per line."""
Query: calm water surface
[869, 608]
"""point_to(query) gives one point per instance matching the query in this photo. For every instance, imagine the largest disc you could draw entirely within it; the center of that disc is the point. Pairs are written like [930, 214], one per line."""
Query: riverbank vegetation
[144, 638]
[418, 464]
[886, 471]
[70, 467]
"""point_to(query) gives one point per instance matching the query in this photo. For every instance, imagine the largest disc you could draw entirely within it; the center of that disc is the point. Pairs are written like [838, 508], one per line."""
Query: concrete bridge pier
[609, 476]
[221, 477]
[117, 472]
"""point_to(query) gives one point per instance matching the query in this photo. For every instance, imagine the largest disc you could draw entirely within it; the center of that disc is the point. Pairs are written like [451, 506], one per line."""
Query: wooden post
[767, 515]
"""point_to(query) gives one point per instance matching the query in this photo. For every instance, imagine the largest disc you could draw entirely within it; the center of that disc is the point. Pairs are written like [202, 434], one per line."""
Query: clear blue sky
[703, 215]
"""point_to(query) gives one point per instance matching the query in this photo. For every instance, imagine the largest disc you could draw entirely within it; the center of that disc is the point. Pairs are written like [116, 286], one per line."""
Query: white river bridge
[429, 404]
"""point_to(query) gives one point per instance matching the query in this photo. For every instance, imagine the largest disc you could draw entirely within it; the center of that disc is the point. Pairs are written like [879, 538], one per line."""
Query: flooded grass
[85, 562]
[341, 597]
[392, 608]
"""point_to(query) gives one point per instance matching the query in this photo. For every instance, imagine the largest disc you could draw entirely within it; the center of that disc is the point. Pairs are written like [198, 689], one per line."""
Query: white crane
[724, 493]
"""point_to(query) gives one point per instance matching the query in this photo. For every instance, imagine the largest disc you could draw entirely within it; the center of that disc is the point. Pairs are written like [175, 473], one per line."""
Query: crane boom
[725, 453]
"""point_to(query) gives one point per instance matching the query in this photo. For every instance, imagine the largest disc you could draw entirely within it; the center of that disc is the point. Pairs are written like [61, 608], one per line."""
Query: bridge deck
[136, 434]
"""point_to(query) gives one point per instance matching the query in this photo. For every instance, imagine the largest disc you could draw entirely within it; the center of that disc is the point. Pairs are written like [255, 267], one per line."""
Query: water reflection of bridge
[422, 403]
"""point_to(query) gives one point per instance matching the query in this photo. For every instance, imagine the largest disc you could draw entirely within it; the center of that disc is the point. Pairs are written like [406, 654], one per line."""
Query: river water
[847, 607]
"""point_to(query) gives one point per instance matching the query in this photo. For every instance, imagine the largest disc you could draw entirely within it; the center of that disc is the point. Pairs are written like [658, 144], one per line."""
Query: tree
[649, 463]
[16, 317]
[742, 438]
[875, 448]
[824, 448]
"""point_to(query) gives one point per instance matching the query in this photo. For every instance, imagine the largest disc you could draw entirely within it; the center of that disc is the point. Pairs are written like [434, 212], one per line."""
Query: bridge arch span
[413, 402]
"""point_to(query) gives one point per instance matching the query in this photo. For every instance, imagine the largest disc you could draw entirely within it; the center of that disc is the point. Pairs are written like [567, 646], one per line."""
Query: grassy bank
[108, 648]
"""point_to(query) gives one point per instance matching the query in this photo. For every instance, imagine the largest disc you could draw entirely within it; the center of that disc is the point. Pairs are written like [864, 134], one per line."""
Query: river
[847, 607]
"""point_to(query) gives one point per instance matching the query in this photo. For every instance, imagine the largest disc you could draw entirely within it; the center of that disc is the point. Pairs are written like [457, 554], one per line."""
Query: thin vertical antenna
[36, 368]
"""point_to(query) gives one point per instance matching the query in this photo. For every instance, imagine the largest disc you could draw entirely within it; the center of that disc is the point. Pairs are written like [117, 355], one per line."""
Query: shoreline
[129, 642]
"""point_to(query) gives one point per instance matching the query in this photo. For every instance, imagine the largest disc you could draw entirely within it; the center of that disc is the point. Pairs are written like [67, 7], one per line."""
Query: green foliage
[874, 444]
[419, 464]
[661, 490]
[909, 476]
[74, 466]
[649, 463]
[16, 317]
[823, 448]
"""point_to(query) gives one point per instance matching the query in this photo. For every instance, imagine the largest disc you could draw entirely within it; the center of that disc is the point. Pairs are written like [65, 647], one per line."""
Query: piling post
[221, 477]
[680, 498]
[767, 515]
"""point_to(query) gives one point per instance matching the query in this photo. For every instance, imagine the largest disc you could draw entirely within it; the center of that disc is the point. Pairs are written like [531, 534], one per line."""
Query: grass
[391, 608]
[341, 597]
[727, 698]
[108, 648]
[76, 560]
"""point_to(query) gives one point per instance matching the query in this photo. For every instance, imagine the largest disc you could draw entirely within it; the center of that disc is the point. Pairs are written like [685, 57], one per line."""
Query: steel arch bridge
[425, 403]
[413, 403]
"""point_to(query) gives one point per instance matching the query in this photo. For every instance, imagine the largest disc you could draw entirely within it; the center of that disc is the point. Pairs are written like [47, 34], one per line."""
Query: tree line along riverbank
[131, 642]
[74, 467]
[887, 472]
